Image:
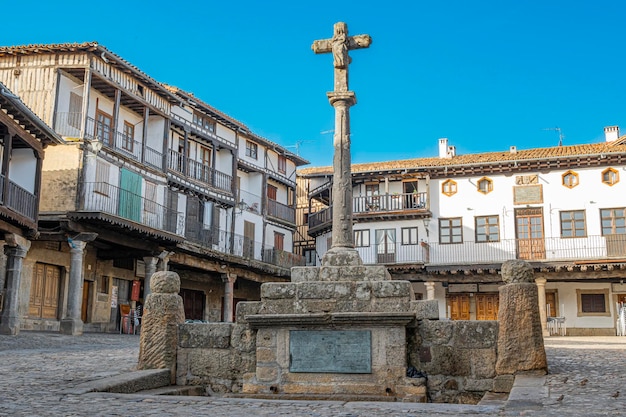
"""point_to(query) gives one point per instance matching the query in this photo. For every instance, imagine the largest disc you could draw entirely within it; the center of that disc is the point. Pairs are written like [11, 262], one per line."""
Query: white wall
[22, 168]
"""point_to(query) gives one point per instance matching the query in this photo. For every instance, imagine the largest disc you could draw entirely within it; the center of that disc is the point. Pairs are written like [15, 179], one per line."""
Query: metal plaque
[330, 351]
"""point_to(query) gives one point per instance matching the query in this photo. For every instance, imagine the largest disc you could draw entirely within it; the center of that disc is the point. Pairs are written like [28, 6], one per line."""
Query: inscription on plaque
[527, 194]
[330, 351]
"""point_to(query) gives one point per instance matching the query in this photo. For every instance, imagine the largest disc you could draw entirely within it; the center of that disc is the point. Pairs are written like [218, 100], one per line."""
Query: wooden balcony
[19, 204]
[198, 171]
[281, 211]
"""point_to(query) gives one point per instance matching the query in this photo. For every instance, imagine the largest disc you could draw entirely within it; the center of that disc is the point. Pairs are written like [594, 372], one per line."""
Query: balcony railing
[281, 211]
[389, 202]
[18, 199]
[320, 218]
[106, 198]
[202, 131]
[471, 252]
[199, 171]
[70, 124]
[220, 240]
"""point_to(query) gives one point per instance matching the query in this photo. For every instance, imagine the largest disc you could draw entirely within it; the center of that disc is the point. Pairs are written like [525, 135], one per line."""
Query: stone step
[127, 383]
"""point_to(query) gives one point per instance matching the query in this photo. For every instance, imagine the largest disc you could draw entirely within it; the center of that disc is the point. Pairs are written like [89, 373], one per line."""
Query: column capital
[229, 277]
[151, 260]
[76, 246]
[345, 97]
[15, 241]
[16, 251]
[540, 281]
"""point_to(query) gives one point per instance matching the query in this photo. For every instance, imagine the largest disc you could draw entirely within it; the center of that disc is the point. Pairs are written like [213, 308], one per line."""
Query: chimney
[611, 133]
[443, 147]
[451, 151]
[513, 149]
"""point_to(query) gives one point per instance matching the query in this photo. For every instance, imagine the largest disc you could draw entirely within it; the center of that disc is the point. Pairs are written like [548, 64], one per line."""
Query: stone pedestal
[326, 304]
[520, 338]
[163, 312]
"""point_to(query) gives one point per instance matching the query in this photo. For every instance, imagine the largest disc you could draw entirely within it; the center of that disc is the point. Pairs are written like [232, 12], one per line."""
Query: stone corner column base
[10, 326]
[72, 327]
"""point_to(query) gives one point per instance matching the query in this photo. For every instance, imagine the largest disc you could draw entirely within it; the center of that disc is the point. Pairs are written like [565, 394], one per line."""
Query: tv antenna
[559, 131]
[298, 144]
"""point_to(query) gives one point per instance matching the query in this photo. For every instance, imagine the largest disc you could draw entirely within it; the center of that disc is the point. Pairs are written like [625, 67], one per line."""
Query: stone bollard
[520, 339]
[163, 312]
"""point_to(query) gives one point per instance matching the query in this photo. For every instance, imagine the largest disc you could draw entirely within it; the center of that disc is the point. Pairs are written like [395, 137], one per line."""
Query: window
[75, 110]
[573, 223]
[409, 235]
[570, 179]
[103, 285]
[448, 187]
[204, 122]
[487, 228]
[613, 221]
[101, 184]
[610, 176]
[282, 164]
[205, 154]
[252, 149]
[485, 185]
[150, 204]
[103, 127]
[361, 238]
[451, 230]
[271, 192]
[279, 241]
[593, 302]
[128, 137]
[309, 256]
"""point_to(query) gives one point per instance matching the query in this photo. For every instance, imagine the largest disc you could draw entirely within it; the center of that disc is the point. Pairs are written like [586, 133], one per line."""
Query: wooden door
[487, 306]
[248, 239]
[85, 303]
[103, 128]
[44, 292]
[386, 246]
[551, 304]
[459, 306]
[130, 195]
[193, 302]
[529, 230]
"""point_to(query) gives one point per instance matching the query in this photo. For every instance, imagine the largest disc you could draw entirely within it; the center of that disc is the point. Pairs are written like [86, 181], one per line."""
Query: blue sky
[485, 74]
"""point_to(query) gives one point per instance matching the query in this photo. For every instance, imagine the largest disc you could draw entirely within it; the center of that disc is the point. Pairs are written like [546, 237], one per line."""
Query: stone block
[246, 308]
[278, 290]
[264, 355]
[279, 306]
[396, 355]
[267, 374]
[304, 274]
[214, 363]
[377, 273]
[425, 309]
[363, 291]
[436, 332]
[243, 338]
[352, 273]
[482, 362]
[503, 383]
[328, 273]
[324, 290]
[205, 335]
[475, 334]
[266, 338]
[165, 282]
[390, 289]
[318, 306]
[472, 384]
[392, 305]
[448, 360]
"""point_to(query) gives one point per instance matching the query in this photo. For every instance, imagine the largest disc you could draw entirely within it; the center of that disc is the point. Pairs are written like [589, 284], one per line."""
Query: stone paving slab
[37, 370]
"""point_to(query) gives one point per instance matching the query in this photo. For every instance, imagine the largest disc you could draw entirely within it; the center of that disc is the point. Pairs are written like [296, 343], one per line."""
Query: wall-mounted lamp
[241, 206]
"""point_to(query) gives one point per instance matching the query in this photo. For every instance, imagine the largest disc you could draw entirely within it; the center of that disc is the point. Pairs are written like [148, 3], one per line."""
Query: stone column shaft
[541, 292]
[430, 290]
[72, 324]
[151, 268]
[10, 319]
[229, 287]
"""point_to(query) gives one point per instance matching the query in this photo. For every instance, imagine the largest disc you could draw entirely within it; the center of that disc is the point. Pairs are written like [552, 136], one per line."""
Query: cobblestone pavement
[37, 369]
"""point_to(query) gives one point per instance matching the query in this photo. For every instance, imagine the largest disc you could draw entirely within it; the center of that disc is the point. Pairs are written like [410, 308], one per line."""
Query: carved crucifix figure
[342, 251]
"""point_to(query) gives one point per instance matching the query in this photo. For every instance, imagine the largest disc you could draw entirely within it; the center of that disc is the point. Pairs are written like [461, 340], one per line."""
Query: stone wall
[458, 358]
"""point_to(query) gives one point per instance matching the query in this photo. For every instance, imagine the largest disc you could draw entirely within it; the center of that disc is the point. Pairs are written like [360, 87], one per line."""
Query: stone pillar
[72, 324]
[163, 312]
[164, 260]
[520, 339]
[430, 290]
[151, 268]
[229, 286]
[15, 251]
[541, 293]
[342, 251]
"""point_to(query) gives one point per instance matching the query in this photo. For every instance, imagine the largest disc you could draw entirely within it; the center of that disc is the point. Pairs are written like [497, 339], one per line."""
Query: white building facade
[448, 223]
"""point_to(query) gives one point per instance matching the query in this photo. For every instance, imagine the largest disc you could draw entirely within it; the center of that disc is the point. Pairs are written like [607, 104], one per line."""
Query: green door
[130, 195]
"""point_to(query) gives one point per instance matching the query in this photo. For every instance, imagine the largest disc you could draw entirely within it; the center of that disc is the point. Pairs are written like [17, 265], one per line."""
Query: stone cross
[342, 251]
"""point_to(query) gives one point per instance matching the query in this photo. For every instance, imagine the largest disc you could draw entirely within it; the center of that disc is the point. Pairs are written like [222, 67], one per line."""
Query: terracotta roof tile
[480, 158]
